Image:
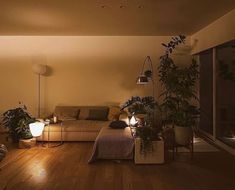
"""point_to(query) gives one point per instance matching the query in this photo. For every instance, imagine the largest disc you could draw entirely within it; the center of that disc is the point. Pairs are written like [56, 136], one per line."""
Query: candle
[55, 119]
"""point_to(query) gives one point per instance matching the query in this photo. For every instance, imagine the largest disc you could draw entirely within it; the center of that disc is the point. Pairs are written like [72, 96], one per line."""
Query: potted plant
[179, 90]
[17, 122]
[149, 147]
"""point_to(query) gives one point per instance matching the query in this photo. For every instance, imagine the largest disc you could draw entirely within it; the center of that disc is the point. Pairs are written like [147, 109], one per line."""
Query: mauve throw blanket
[113, 144]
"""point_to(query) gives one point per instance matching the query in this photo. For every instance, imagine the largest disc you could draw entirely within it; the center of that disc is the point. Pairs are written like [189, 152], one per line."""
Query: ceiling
[109, 17]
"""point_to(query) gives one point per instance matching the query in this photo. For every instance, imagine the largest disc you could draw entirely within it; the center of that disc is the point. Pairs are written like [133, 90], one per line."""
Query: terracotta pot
[183, 135]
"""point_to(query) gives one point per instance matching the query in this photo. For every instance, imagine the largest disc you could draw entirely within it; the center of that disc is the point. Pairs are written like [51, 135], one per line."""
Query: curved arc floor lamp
[147, 76]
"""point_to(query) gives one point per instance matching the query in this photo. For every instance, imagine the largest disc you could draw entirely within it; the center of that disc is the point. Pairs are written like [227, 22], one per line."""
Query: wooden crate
[27, 143]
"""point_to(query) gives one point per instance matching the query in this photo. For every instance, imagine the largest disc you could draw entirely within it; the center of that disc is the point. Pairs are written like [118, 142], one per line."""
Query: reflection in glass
[206, 91]
[225, 130]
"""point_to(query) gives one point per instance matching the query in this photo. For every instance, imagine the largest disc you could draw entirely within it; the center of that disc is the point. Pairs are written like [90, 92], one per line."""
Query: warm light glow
[133, 121]
[36, 128]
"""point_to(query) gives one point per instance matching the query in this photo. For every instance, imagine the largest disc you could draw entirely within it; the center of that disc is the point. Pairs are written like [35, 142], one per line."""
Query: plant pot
[183, 135]
[154, 157]
[27, 143]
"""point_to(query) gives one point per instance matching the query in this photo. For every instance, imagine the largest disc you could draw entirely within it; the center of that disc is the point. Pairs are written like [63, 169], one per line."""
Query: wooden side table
[48, 135]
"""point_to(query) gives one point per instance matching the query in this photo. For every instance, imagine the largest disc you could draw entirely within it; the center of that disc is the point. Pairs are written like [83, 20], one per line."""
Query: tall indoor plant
[17, 122]
[178, 93]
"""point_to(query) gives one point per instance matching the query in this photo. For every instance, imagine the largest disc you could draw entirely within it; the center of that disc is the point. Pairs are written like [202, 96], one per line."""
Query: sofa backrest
[84, 112]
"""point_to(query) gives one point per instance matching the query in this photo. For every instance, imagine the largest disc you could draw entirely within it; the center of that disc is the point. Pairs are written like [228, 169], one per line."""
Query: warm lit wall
[218, 32]
[83, 70]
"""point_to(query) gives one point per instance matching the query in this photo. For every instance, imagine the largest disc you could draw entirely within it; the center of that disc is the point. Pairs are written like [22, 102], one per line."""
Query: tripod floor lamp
[40, 70]
[146, 76]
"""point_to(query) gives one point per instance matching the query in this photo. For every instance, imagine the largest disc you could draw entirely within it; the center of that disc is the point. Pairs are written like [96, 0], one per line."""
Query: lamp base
[27, 143]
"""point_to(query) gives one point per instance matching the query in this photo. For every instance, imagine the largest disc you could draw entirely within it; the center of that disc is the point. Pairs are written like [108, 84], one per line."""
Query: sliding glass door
[217, 93]
[206, 91]
[225, 101]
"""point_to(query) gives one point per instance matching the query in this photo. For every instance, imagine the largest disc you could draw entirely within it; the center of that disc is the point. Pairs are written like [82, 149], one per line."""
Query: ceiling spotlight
[104, 6]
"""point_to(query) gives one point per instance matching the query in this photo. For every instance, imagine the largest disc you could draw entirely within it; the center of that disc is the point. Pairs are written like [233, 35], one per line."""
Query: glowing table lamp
[133, 121]
[36, 128]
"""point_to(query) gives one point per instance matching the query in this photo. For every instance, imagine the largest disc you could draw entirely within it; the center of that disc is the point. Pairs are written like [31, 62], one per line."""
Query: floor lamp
[146, 76]
[40, 70]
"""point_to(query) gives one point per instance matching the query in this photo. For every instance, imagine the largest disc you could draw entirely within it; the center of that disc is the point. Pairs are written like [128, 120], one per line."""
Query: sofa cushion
[98, 114]
[79, 126]
[114, 113]
[118, 125]
[85, 111]
[65, 113]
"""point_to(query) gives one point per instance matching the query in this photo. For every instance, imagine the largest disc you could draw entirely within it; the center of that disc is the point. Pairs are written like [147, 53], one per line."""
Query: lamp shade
[133, 121]
[39, 69]
[36, 128]
[142, 79]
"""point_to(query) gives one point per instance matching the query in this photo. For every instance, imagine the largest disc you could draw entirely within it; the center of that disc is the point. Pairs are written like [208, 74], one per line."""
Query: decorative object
[133, 121]
[118, 125]
[154, 157]
[17, 122]
[179, 90]
[3, 151]
[36, 128]
[39, 69]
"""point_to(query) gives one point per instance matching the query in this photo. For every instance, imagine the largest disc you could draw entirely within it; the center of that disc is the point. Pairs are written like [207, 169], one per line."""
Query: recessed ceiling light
[104, 6]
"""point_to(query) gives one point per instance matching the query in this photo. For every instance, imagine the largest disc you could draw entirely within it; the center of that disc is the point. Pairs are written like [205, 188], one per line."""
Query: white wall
[83, 70]
[218, 32]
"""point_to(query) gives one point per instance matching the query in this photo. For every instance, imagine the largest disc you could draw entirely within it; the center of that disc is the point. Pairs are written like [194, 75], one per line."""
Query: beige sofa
[80, 123]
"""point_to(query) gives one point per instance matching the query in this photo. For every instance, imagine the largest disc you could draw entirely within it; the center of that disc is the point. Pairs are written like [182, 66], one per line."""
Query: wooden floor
[66, 168]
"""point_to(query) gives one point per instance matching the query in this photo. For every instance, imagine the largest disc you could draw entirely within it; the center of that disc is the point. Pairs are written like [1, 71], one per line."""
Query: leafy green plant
[137, 105]
[17, 122]
[147, 132]
[179, 87]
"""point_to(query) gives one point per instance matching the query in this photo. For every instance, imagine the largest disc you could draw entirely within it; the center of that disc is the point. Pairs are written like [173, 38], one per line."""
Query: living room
[60, 58]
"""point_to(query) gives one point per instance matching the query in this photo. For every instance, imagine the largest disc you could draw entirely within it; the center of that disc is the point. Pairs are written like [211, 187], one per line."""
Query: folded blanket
[113, 144]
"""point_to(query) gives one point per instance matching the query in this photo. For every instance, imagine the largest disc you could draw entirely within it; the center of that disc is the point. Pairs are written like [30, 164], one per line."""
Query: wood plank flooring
[65, 168]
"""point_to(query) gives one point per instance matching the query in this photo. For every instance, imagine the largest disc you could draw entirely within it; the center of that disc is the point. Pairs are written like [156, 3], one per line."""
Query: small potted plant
[17, 122]
[149, 147]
